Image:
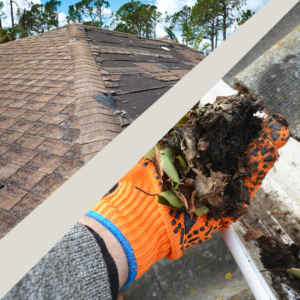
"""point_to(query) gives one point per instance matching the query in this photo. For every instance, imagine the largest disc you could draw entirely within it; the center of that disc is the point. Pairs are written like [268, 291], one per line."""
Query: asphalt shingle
[50, 123]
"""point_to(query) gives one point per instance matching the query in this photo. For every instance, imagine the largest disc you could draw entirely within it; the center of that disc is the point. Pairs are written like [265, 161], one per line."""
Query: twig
[153, 195]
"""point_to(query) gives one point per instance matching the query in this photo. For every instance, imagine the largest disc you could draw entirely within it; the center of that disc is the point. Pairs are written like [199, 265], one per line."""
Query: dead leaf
[284, 214]
[215, 198]
[240, 169]
[193, 117]
[183, 195]
[244, 194]
[220, 98]
[185, 191]
[209, 189]
[240, 211]
[202, 183]
[253, 234]
[187, 134]
[157, 162]
[226, 107]
[189, 182]
[219, 176]
[202, 145]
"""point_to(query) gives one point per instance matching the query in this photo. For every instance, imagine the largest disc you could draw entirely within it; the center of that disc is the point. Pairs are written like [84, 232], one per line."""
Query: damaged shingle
[106, 99]
[161, 66]
[164, 45]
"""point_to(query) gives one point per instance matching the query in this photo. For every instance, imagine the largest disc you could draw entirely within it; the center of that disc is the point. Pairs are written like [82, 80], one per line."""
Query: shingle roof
[135, 68]
[50, 124]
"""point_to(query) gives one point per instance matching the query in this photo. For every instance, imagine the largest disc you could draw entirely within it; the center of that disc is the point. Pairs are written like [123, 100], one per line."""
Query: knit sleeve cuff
[112, 270]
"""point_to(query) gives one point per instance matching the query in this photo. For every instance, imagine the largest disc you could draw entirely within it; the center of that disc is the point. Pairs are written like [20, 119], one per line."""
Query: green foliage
[2, 14]
[7, 34]
[1, 7]
[200, 39]
[295, 272]
[137, 18]
[122, 27]
[245, 16]
[216, 16]
[201, 211]
[170, 34]
[38, 18]
[227, 8]
[205, 14]
[181, 19]
[89, 12]
[168, 198]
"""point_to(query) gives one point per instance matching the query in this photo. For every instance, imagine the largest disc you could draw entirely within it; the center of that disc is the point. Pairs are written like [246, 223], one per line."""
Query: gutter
[256, 282]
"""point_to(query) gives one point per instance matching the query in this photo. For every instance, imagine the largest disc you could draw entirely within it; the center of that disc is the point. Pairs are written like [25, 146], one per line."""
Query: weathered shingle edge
[98, 124]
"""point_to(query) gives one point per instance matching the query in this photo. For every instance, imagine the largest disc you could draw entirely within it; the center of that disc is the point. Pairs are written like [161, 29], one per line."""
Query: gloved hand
[149, 231]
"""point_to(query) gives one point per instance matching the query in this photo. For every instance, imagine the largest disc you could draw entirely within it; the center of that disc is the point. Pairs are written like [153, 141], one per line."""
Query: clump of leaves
[201, 161]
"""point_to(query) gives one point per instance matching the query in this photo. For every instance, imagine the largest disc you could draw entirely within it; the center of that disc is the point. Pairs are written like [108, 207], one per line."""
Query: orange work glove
[149, 231]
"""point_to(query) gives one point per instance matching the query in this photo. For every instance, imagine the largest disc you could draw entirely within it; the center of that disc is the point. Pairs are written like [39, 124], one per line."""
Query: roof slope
[50, 124]
[136, 70]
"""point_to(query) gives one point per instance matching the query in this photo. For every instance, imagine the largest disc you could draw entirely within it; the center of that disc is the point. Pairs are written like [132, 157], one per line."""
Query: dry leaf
[240, 169]
[240, 211]
[284, 214]
[157, 162]
[244, 194]
[219, 176]
[253, 234]
[189, 182]
[184, 195]
[187, 134]
[209, 189]
[193, 117]
[215, 198]
[202, 145]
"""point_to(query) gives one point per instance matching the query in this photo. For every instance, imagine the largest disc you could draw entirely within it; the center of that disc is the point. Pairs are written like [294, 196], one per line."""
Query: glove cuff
[135, 219]
[129, 253]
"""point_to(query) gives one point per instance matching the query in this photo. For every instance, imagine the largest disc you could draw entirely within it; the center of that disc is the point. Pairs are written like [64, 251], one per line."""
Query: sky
[171, 6]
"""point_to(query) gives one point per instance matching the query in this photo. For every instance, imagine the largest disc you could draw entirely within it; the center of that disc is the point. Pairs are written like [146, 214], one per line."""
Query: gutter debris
[201, 161]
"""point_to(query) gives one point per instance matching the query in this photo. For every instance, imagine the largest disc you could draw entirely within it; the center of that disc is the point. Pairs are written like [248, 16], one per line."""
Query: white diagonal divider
[29, 241]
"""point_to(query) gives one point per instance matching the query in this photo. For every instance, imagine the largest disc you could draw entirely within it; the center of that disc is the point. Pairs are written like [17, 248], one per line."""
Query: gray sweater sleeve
[73, 269]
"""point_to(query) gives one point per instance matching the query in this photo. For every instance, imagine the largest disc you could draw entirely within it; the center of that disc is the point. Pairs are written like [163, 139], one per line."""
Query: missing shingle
[106, 99]
[161, 66]
[2, 188]
[164, 45]
[82, 29]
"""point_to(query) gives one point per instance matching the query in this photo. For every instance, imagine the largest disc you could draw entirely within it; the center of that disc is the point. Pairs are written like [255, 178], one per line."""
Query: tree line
[207, 20]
